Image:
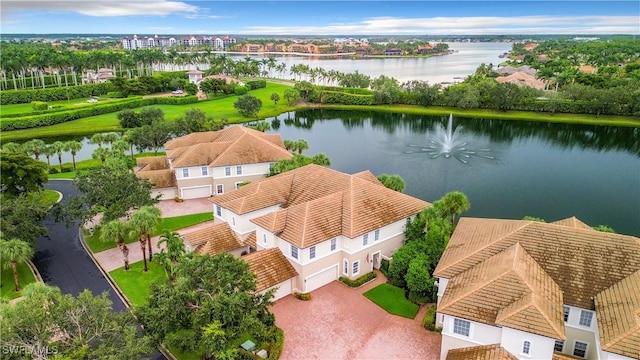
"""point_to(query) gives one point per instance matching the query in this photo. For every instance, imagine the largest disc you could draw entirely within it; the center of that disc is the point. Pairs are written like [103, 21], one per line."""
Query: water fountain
[449, 142]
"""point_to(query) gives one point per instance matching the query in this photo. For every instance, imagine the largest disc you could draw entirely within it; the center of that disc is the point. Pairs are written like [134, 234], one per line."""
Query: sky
[149, 17]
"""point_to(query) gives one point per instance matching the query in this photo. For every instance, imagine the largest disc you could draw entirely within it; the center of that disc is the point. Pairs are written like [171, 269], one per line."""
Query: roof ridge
[490, 244]
[304, 223]
[232, 143]
[536, 302]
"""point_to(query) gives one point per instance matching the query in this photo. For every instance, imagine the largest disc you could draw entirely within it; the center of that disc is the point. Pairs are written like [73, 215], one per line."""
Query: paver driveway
[340, 323]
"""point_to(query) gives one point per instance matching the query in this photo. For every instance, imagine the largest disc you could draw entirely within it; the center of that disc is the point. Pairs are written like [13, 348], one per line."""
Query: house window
[227, 171]
[312, 252]
[218, 210]
[585, 318]
[237, 185]
[345, 267]
[264, 238]
[461, 327]
[376, 235]
[205, 171]
[219, 189]
[294, 252]
[233, 221]
[239, 170]
[365, 239]
[526, 346]
[558, 346]
[580, 349]
[185, 173]
[356, 267]
[333, 244]
[566, 313]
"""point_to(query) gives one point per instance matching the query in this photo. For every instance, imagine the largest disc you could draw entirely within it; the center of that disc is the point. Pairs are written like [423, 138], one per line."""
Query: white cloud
[466, 25]
[103, 8]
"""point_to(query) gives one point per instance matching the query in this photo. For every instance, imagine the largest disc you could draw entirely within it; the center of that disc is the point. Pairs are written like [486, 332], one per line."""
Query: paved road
[63, 262]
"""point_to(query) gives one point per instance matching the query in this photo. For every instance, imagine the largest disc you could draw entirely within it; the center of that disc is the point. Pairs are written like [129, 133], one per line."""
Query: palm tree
[454, 203]
[13, 147]
[143, 222]
[321, 159]
[172, 252]
[73, 146]
[12, 252]
[301, 145]
[110, 137]
[48, 152]
[59, 148]
[116, 229]
[288, 144]
[101, 153]
[97, 139]
[393, 182]
[34, 147]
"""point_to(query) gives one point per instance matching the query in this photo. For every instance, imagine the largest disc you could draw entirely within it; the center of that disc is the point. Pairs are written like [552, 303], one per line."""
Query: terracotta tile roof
[522, 78]
[587, 69]
[583, 262]
[485, 352]
[213, 239]
[561, 356]
[152, 163]
[159, 178]
[508, 289]
[573, 222]
[319, 203]
[270, 266]
[251, 240]
[235, 145]
[618, 309]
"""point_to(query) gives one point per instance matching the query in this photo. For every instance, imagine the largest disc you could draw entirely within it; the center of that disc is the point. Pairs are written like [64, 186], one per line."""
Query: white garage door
[196, 192]
[284, 289]
[321, 279]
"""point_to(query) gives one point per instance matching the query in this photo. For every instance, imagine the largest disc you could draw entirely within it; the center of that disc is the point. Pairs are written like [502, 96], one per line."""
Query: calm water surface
[507, 169]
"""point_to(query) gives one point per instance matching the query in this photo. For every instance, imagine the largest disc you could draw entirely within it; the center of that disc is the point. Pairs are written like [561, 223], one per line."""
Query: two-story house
[530, 290]
[326, 223]
[203, 164]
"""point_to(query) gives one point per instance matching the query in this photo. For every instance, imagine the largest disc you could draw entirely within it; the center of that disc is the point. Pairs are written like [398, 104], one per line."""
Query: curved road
[63, 262]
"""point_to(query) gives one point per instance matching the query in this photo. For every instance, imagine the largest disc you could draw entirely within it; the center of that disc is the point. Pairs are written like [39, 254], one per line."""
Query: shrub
[182, 340]
[335, 97]
[275, 348]
[240, 90]
[359, 281]
[429, 321]
[256, 84]
[39, 105]
[384, 267]
[8, 97]
[53, 170]
[178, 199]
[302, 296]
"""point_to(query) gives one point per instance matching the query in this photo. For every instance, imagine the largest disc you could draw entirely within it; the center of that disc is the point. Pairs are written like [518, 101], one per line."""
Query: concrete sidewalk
[112, 259]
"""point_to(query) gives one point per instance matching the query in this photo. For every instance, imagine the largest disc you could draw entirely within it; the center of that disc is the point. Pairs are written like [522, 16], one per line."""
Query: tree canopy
[72, 328]
[20, 173]
[112, 189]
[212, 301]
[248, 105]
[297, 161]
[393, 182]
[21, 216]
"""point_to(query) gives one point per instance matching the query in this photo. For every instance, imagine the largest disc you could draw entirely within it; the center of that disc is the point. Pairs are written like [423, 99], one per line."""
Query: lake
[507, 169]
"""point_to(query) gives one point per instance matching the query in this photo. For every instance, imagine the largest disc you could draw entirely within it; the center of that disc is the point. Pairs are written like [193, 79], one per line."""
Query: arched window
[526, 346]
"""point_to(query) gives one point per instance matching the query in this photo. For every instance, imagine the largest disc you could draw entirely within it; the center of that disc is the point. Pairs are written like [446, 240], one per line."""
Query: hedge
[334, 97]
[28, 122]
[256, 84]
[359, 281]
[348, 90]
[39, 105]
[429, 321]
[302, 296]
[275, 348]
[8, 97]
[384, 267]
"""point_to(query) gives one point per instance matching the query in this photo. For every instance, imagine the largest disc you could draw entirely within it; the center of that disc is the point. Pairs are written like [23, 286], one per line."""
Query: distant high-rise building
[145, 42]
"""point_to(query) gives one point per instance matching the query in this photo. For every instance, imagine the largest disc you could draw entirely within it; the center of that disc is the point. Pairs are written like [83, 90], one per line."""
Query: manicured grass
[25, 277]
[391, 298]
[87, 164]
[218, 108]
[135, 283]
[50, 197]
[169, 223]
[27, 109]
[65, 175]
[195, 355]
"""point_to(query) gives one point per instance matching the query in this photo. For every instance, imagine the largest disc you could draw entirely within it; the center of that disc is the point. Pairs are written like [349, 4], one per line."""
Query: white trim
[586, 351]
[453, 328]
[185, 171]
[564, 342]
[372, 243]
[354, 273]
[224, 168]
[315, 253]
[319, 272]
[236, 186]
[291, 246]
[345, 262]
[241, 170]
[527, 354]
[219, 192]
[204, 168]
[590, 321]
[379, 252]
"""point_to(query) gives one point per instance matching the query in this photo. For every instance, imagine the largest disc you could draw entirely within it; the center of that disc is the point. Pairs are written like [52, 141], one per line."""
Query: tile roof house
[326, 223]
[273, 271]
[215, 239]
[521, 78]
[210, 163]
[539, 291]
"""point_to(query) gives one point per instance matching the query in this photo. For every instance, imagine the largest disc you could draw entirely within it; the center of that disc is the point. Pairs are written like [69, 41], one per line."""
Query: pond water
[507, 169]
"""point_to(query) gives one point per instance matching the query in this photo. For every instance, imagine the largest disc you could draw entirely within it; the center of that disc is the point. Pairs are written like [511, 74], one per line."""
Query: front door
[376, 260]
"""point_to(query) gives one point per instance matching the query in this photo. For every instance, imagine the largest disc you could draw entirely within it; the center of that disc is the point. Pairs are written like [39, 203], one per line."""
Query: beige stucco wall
[165, 193]
[188, 182]
[449, 343]
[229, 182]
[585, 336]
[313, 267]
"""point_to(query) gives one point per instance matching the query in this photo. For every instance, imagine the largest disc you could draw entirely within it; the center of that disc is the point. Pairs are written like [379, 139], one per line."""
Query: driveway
[340, 323]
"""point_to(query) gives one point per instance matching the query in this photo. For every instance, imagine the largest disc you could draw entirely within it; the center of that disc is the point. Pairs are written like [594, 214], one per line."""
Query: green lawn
[218, 108]
[136, 283]
[27, 109]
[169, 223]
[25, 277]
[391, 298]
[50, 197]
[87, 164]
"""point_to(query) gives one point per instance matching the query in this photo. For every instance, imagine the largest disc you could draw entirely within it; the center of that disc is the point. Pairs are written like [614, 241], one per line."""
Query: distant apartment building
[147, 42]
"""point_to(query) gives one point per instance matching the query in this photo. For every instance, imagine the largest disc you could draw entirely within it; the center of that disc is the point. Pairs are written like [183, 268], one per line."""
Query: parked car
[177, 91]
[92, 100]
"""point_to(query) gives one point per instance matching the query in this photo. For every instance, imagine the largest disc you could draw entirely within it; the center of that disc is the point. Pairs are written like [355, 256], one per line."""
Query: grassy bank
[223, 108]
[135, 283]
[25, 277]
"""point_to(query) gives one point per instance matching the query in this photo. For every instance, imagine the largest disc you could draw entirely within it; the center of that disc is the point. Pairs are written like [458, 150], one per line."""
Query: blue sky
[319, 17]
